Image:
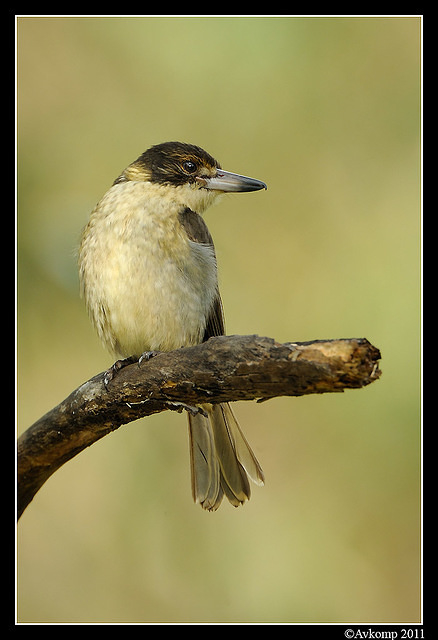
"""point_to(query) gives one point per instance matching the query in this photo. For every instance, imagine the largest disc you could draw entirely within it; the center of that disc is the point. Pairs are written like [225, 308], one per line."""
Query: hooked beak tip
[226, 181]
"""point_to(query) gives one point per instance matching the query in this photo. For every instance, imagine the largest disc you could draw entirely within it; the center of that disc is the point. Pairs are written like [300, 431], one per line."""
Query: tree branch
[223, 369]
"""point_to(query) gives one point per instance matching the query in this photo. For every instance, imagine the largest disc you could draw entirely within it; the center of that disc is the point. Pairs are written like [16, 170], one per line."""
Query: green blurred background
[327, 112]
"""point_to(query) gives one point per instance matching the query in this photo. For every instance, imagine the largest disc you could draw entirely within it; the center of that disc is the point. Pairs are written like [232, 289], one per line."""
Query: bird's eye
[189, 166]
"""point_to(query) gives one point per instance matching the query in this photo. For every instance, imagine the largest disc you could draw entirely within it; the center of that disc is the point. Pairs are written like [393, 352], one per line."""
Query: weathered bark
[223, 369]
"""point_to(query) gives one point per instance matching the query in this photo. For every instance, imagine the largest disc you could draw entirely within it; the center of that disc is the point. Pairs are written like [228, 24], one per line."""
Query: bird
[148, 276]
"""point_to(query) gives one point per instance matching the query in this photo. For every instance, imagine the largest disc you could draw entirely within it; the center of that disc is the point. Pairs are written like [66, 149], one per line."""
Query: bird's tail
[221, 458]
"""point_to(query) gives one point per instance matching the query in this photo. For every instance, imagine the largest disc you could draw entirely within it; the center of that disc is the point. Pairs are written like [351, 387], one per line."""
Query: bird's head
[188, 168]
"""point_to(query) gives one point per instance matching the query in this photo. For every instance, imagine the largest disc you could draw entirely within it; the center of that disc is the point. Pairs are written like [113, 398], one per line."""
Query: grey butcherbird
[148, 274]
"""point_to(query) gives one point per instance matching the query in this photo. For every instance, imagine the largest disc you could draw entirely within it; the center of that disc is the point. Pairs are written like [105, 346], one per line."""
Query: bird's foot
[120, 364]
[115, 368]
[147, 355]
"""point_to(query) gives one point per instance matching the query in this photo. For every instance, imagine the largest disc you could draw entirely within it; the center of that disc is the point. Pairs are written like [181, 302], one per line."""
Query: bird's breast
[146, 285]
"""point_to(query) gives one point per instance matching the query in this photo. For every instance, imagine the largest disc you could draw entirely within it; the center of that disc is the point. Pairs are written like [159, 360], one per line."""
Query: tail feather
[221, 458]
[206, 488]
[241, 446]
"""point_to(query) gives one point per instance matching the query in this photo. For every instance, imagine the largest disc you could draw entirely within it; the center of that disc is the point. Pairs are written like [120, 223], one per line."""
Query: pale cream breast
[146, 285]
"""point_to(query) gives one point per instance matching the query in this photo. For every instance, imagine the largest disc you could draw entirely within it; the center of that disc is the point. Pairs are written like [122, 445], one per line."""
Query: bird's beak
[226, 181]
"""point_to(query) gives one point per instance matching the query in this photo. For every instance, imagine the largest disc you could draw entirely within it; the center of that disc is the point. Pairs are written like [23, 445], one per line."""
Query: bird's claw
[111, 373]
[147, 355]
[115, 368]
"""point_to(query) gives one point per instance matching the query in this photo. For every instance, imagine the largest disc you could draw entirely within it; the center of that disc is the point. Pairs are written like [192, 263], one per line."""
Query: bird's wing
[197, 231]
